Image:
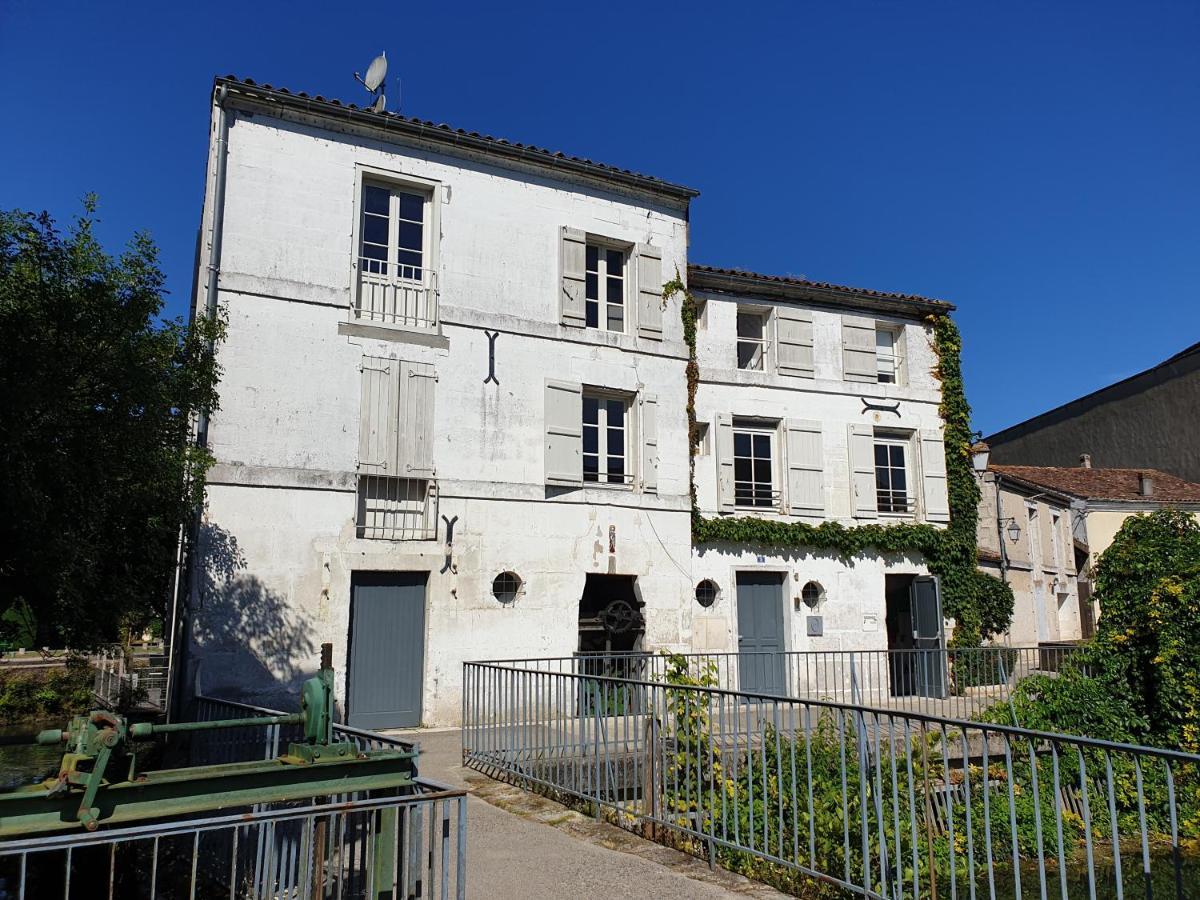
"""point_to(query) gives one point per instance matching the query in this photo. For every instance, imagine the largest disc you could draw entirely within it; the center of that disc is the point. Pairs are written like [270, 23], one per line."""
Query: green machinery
[100, 783]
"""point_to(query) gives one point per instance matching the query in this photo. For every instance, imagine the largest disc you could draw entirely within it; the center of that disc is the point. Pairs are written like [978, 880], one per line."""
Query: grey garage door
[387, 649]
[760, 632]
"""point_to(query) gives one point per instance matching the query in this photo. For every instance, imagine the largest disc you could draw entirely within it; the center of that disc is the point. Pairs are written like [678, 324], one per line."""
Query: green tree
[97, 473]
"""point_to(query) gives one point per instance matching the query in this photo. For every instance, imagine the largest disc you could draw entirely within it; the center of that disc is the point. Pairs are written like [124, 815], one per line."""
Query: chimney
[1145, 485]
[1085, 461]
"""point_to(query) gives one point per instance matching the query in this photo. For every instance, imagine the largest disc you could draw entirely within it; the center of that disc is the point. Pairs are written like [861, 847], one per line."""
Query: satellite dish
[374, 81]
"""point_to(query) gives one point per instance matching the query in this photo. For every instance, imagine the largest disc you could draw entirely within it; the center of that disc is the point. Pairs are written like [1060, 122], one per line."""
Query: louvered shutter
[649, 405]
[377, 414]
[649, 287]
[806, 468]
[864, 502]
[794, 331]
[573, 258]
[933, 477]
[1048, 536]
[724, 457]
[564, 433]
[415, 422]
[1068, 542]
[858, 349]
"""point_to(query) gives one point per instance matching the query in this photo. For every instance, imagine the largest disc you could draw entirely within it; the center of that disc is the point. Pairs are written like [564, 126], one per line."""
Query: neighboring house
[453, 418]
[1149, 419]
[1105, 498]
[1025, 537]
[816, 403]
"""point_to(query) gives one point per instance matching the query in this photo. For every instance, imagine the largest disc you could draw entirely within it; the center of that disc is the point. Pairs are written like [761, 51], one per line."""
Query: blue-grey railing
[880, 802]
[949, 682]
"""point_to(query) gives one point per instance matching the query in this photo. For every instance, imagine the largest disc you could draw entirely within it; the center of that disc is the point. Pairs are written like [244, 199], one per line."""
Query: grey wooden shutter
[864, 502]
[1048, 536]
[933, 477]
[573, 258]
[378, 408]
[724, 457]
[649, 403]
[794, 332]
[858, 349]
[564, 433]
[805, 468]
[415, 421]
[649, 288]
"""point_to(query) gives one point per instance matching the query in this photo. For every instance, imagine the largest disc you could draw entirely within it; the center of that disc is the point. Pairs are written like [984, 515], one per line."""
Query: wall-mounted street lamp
[1013, 530]
[979, 456]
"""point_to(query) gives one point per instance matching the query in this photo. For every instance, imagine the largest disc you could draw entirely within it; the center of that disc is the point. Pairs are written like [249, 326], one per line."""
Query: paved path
[528, 848]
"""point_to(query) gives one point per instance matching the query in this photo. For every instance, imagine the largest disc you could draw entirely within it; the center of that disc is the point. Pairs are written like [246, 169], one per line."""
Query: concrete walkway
[526, 847]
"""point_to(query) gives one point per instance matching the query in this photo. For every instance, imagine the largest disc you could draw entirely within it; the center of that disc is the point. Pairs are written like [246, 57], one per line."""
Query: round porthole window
[812, 594]
[506, 587]
[706, 592]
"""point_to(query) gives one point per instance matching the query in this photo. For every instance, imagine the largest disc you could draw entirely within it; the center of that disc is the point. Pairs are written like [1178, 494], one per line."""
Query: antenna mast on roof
[375, 81]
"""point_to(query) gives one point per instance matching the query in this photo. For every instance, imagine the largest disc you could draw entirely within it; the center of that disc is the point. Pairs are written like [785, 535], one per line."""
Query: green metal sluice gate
[330, 813]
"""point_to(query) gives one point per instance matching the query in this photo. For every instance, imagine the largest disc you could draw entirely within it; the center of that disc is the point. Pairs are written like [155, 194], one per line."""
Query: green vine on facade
[981, 605]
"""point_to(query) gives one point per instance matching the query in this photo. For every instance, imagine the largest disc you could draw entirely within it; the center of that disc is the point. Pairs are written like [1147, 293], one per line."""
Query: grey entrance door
[760, 632]
[387, 649]
[928, 636]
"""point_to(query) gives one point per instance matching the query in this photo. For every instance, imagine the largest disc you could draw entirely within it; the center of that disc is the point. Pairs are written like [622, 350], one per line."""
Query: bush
[57, 693]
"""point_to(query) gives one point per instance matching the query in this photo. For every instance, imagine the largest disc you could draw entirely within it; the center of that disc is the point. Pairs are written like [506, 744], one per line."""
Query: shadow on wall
[249, 644]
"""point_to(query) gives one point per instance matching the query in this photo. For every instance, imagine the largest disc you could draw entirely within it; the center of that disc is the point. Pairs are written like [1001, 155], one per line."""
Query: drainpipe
[1000, 533]
[181, 632]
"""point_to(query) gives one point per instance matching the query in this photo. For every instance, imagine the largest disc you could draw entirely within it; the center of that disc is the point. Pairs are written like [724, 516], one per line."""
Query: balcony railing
[395, 296]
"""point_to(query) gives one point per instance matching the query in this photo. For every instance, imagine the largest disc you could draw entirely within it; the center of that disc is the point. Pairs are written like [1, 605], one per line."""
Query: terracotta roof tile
[1106, 484]
[701, 274]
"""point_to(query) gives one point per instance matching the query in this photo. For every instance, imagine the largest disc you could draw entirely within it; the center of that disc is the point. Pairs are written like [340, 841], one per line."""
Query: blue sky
[1036, 164]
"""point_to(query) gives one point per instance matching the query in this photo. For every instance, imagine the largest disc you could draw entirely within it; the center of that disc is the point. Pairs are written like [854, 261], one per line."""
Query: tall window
[892, 476]
[751, 339]
[605, 288]
[605, 439]
[753, 469]
[887, 359]
[1056, 546]
[393, 233]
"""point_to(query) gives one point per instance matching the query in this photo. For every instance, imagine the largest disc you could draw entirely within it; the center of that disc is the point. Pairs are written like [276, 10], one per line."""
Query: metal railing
[878, 802]
[951, 683]
[388, 299]
[118, 683]
[246, 744]
[396, 509]
[403, 847]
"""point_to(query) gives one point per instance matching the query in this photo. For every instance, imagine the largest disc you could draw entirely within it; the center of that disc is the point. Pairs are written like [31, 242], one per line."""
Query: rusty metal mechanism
[99, 781]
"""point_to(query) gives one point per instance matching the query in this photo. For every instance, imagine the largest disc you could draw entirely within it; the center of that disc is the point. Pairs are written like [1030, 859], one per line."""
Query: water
[22, 761]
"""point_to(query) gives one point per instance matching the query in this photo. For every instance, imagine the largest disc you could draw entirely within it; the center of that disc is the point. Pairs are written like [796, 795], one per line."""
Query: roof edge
[450, 137]
[737, 281]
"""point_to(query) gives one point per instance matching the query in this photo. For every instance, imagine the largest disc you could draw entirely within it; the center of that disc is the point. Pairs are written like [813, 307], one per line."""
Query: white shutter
[933, 477]
[573, 257]
[564, 433]
[806, 469]
[649, 405]
[724, 457]
[858, 349]
[377, 413]
[864, 502]
[415, 444]
[649, 288]
[794, 333]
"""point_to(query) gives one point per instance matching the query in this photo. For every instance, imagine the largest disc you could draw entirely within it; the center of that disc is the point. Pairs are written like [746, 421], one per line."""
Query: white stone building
[453, 417]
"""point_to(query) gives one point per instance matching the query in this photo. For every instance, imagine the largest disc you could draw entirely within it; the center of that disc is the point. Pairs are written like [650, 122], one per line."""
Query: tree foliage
[96, 471]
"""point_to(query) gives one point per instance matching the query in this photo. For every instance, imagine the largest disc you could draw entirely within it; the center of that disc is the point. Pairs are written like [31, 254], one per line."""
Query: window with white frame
[395, 280]
[893, 475]
[754, 482]
[751, 338]
[1055, 541]
[604, 290]
[606, 439]
[887, 354]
